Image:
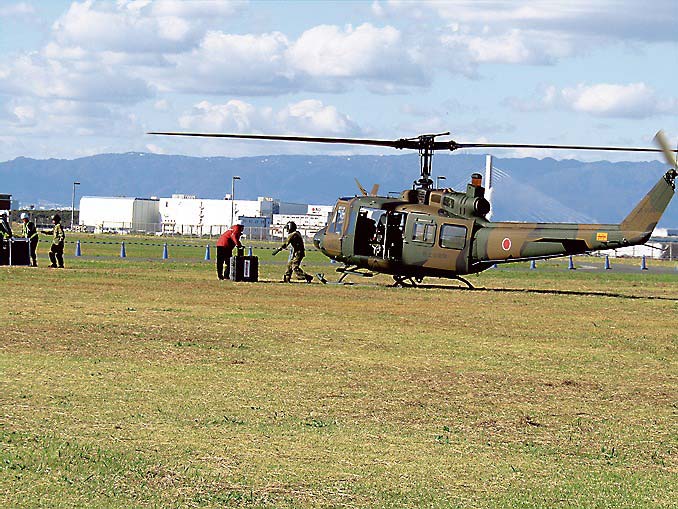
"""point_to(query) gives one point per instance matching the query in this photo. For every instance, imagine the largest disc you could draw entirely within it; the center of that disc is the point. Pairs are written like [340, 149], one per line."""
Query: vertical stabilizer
[640, 223]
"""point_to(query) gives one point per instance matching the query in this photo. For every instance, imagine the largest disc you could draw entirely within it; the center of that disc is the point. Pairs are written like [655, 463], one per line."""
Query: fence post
[643, 263]
[165, 254]
[607, 262]
[570, 265]
[77, 249]
[207, 252]
[123, 253]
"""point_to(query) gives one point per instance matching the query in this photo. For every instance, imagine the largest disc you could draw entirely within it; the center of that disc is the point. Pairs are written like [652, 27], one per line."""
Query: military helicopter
[427, 232]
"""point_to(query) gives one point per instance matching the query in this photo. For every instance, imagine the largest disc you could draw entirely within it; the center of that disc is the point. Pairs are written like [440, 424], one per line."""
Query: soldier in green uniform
[5, 229]
[56, 251]
[296, 241]
[31, 233]
[5, 236]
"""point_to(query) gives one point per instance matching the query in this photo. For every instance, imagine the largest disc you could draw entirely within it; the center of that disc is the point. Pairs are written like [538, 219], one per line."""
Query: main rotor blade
[660, 139]
[557, 147]
[312, 139]
[402, 143]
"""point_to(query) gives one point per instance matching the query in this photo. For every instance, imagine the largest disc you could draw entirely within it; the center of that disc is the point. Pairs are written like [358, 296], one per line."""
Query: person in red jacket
[228, 240]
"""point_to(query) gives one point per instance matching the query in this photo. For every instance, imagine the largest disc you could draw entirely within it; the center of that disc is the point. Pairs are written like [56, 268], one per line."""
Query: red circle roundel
[506, 244]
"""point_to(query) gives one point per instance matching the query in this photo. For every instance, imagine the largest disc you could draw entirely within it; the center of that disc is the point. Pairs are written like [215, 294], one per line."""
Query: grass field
[142, 382]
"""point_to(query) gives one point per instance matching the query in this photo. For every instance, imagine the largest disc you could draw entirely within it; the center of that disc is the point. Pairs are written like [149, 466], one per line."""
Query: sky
[89, 77]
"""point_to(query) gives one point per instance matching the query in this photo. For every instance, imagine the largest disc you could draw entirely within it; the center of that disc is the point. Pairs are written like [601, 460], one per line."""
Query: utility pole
[235, 177]
[73, 204]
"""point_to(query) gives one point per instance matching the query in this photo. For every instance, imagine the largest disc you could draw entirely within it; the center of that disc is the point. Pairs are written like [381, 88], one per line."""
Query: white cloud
[530, 32]
[304, 117]
[231, 64]
[511, 47]
[615, 19]
[364, 53]
[203, 9]
[35, 75]
[140, 26]
[313, 117]
[60, 118]
[633, 100]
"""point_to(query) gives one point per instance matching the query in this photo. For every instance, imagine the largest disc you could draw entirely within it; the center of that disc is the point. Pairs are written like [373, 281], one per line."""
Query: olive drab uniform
[5, 229]
[56, 251]
[31, 233]
[296, 242]
[5, 236]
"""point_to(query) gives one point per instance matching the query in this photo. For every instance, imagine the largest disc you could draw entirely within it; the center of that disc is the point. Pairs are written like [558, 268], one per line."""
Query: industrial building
[188, 215]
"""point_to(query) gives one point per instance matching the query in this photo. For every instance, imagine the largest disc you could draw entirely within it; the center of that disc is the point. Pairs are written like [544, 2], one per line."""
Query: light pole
[73, 203]
[438, 179]
[233, 199]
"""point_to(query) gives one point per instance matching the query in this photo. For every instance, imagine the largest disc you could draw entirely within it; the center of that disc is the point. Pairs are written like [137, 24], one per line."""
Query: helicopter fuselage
[443, 233]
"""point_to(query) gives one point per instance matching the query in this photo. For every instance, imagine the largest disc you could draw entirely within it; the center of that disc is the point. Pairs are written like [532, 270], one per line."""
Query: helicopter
[430, 232]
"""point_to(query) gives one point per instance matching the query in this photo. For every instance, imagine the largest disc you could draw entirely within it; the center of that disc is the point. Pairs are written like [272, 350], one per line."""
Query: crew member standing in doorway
[31, 233]
[296, 242]
[228, 240]
[56, 251]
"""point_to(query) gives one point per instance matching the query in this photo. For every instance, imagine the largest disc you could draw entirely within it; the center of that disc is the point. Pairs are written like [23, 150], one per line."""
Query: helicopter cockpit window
[453, 236]
[424, 231]
[338, 223]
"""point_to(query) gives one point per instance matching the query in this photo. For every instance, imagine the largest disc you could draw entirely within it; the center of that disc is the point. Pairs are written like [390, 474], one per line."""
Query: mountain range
[525, 189]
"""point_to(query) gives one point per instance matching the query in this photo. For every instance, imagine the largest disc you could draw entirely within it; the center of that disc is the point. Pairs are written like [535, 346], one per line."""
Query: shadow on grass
[551, 292]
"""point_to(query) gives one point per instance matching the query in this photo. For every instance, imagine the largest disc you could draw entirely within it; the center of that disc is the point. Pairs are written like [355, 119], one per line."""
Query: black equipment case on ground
[15, 251]
[244, 268]
[20, 251]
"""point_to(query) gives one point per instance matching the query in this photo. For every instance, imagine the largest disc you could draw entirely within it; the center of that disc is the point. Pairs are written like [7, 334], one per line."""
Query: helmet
[24, 216]
[56, 218]
[291, 226]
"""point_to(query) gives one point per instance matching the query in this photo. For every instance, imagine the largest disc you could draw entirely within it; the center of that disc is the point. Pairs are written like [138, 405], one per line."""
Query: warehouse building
[188, 215]
[119, 215]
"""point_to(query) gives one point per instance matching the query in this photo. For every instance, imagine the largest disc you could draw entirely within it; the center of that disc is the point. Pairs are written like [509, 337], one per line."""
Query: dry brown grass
[154, 384]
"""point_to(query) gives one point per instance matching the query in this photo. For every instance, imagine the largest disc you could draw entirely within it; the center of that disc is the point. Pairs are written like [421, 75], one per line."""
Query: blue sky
[89, 77]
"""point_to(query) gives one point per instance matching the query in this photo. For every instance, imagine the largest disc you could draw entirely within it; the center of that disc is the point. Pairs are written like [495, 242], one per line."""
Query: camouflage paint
[487, 242]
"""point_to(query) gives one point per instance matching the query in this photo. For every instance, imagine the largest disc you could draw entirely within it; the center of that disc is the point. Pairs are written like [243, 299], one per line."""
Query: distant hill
[526, 189]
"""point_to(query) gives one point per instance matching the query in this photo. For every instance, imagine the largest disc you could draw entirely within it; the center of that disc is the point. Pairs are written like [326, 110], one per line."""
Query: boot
[309, 278]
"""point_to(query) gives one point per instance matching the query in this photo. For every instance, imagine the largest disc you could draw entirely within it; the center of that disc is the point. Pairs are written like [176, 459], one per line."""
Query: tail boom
[504, 242]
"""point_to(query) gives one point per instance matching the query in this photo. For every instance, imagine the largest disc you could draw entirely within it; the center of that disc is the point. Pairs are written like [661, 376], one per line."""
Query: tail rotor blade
[660, 139]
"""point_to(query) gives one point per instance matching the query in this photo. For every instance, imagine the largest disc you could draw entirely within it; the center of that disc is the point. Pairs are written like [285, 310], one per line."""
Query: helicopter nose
[318, 239]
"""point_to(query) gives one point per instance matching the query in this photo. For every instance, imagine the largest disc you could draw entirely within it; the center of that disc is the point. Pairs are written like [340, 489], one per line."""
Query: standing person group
[296, 243]
[227, 241]
[56, 251]
[31, 233]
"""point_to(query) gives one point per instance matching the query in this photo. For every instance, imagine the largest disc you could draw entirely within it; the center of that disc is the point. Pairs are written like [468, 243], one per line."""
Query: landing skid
[347, 270]
[412, 282]
[465, 281]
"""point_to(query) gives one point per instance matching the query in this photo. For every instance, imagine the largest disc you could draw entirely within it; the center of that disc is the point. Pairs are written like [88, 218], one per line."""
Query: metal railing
[263, 233]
